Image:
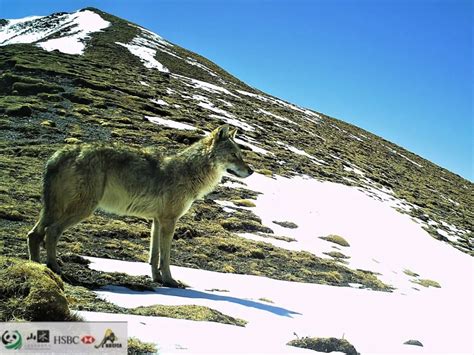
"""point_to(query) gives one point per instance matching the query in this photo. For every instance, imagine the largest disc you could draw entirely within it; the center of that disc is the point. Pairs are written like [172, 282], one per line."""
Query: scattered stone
[189, 312]
[286, 224]
[413, 342]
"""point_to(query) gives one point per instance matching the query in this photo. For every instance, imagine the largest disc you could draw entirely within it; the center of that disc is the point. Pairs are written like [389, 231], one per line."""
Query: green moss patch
[423, 282]
[239, 225]
[337, 255]
[83, 299]
[286, 224]
[189, 312]
[137, 347]
[336, 239]
[427, 283]
[243, 203]
[325, 345]
[410, 273]
[76, 272]
[30, 291]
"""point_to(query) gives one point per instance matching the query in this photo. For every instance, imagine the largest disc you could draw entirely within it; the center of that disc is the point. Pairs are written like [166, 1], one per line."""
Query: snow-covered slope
[374, 322]
[64, 32]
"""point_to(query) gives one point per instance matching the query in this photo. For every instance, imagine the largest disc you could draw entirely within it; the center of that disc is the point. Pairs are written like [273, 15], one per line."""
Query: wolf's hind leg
[54, 231]
[155, 251]
[35, 238]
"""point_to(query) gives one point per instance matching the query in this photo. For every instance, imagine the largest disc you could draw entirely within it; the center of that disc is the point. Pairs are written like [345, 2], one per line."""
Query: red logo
[87, 339]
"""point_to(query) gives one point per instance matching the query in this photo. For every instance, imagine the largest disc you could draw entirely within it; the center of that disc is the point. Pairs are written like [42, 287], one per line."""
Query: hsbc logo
[66, 339]
[87, 339]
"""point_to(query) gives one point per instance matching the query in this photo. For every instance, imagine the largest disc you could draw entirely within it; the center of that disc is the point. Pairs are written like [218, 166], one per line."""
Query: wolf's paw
[54, 267]
[156, 275]
[35, 258]
[174, 284]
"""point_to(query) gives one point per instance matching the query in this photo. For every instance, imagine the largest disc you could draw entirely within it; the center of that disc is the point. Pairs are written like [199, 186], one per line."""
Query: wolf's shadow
[194, 294]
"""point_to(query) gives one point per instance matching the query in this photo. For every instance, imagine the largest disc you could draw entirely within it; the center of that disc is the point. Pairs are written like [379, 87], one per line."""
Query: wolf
[132, 182]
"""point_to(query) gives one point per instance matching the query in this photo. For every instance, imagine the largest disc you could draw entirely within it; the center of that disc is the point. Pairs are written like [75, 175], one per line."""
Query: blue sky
[401, 69]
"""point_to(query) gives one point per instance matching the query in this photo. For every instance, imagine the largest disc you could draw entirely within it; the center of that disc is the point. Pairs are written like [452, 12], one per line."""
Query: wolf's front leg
[167, 227]
[155, 251]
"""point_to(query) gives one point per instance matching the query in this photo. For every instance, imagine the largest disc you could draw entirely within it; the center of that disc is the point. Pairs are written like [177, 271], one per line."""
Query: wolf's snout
[241, 173]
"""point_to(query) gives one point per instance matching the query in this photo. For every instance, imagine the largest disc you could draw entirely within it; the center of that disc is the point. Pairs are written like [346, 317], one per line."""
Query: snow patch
[204, 86]
[371, 225]
[253, 147]
[284, 119]
[381, 240]
[356, 138]
[210, 106]
[354, 169]
[194, 62]
[145, 49]
[145, 46]
[301, 152]
[405, 157]
[227, 103]
[160, 102]
[306, 114]
[295, 307]
[234, 122]
[73, 29]
[169, 123]
[221, 114]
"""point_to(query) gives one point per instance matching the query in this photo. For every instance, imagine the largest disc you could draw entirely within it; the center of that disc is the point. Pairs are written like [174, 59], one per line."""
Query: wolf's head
[227, 153]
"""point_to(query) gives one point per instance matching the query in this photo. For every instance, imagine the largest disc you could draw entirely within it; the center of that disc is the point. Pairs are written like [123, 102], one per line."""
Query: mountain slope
[127, 74]
[90, 76]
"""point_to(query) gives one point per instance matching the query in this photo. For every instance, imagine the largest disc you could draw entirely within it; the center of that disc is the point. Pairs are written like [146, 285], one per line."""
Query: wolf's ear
[222, 132]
